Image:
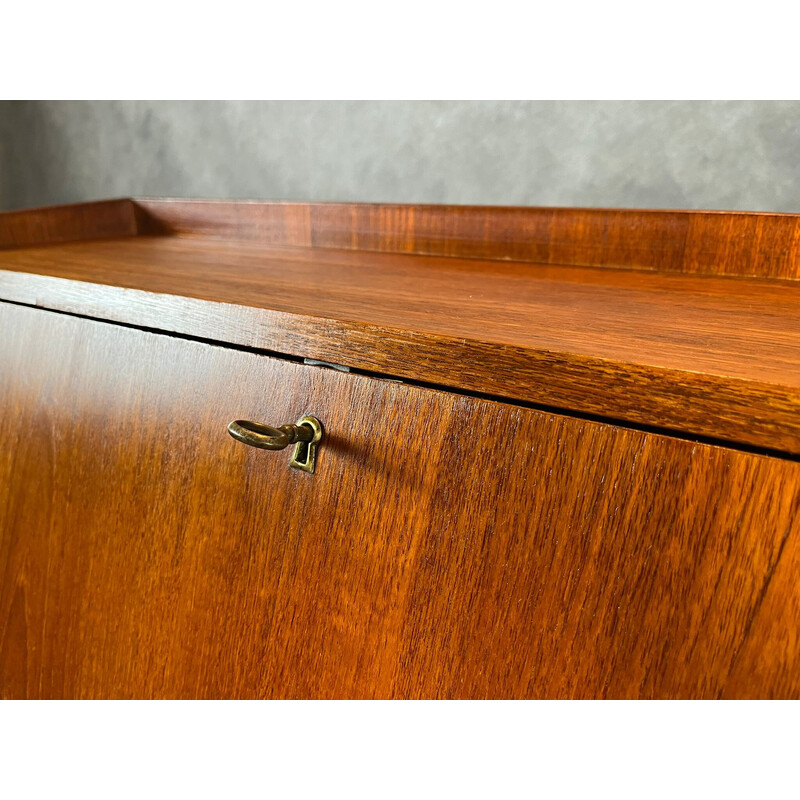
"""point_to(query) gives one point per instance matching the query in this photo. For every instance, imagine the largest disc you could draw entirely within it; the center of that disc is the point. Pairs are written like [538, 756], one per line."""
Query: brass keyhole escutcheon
[304, 456]
[305, 435]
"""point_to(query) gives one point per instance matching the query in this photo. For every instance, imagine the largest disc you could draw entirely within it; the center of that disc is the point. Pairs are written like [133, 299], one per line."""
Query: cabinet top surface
[688, 321]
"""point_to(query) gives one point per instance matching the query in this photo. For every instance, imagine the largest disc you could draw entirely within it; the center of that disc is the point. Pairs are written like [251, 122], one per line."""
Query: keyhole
[304, 456]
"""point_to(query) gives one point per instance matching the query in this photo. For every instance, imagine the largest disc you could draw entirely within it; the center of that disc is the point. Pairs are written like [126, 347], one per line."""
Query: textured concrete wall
[728, 155]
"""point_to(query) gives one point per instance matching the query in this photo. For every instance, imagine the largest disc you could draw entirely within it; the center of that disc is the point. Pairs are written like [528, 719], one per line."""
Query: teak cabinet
[559, 455]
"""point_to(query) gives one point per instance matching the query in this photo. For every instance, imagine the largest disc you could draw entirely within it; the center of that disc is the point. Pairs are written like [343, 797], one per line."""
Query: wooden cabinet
[452, 541]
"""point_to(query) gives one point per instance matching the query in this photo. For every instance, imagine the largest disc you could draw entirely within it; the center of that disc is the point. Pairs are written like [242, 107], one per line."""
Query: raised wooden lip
[730, 243]
[713, 404]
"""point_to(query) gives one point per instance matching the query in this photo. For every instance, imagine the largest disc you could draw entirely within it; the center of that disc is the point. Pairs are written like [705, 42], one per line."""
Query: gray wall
[728, 155]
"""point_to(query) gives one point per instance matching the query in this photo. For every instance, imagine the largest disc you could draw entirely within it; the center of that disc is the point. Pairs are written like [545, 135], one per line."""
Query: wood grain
[695, 242]
[703, 356]
[446, 546]
[103, 219]
[723, 243]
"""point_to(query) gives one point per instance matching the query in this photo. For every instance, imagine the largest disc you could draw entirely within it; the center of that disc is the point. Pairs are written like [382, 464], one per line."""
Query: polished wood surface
[446, 547]
[696, 242]
[715, 357]
[723, 243]
[69, 223]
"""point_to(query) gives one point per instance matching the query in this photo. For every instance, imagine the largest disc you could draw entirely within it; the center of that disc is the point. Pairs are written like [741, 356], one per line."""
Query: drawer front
[446, 546]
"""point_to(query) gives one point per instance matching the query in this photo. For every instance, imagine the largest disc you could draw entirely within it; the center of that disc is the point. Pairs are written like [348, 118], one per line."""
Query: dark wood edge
[736, 410]
[729, 243]
[68, 223]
